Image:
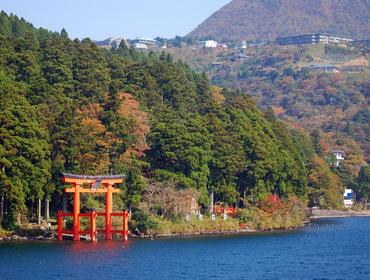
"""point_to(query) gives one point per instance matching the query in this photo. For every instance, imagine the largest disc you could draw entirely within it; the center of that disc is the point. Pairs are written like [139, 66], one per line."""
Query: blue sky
[128, 18]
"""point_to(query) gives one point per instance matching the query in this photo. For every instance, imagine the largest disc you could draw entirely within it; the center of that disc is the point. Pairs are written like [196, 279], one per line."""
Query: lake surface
[327, 249]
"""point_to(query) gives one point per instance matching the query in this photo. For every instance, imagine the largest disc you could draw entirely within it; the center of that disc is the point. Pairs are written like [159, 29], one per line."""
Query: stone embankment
[29, 232]
[15, 237]
[319, 213]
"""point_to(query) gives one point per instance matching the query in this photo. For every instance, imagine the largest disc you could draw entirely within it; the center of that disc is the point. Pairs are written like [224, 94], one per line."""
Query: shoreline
[324, 214]
[159, 236]
[214, 233]
[315, 215]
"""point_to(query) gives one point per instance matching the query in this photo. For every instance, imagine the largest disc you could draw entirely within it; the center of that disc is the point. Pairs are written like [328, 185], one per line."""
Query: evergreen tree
[315, 138]
[64, 34]
[363, 188]
[24, 152]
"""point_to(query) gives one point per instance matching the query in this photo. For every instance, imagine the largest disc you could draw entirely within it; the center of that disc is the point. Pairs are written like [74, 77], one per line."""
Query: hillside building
[140, 46]
[244, 44]
[208, 44]
[348, 198]
[145, 41]
[322, 67]
[339, 157]
[312, 39]
[111, 42]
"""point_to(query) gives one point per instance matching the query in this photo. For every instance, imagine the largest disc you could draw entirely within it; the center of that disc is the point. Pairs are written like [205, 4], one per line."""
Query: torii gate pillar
[76, 213]
[108, 212]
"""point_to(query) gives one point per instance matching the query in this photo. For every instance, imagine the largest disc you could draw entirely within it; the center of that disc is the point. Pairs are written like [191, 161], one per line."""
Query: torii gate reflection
[78, 181]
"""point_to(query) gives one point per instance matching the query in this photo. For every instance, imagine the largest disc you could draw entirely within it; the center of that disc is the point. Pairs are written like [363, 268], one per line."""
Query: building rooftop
[321, 65]
[337, 151]
[207, 41]
[88, 177]
[315, 34]
[145, 39]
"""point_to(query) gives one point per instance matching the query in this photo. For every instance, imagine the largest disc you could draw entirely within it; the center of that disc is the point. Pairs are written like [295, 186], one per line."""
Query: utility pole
[212, 196]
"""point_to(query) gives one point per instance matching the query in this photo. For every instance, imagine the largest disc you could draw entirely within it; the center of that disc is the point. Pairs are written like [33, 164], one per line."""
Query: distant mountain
[268, 19]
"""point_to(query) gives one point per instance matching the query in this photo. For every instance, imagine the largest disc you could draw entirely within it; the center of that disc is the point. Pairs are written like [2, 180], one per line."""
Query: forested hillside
[292, 81]
[267, 19]
[68, 106]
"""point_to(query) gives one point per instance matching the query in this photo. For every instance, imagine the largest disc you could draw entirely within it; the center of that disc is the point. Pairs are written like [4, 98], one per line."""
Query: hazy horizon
[99, 20]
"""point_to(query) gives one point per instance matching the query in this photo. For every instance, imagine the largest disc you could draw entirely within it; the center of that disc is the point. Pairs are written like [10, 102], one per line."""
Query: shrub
[144, 222]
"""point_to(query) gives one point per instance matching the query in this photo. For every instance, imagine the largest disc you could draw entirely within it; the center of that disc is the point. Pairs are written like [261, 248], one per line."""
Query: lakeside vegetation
[68, 106]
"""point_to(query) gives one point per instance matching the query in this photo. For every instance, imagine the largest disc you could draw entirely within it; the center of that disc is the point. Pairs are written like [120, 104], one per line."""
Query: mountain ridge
[267, 19]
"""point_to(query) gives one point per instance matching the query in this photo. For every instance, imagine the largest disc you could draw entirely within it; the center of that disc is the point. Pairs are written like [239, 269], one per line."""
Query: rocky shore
[29, 232]
[16, 237]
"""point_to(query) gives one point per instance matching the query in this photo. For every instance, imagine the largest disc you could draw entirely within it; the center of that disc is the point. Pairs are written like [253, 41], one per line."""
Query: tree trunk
[366, 203]
[5, 205]
[2, 208]
[47, 214]
[19, 222]
[39, 211]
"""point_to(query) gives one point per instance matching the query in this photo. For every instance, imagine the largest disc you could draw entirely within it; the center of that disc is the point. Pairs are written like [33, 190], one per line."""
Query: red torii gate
[94, 182]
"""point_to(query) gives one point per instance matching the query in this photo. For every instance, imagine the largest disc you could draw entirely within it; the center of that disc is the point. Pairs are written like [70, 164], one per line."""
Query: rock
[40, 237]
[17, 237]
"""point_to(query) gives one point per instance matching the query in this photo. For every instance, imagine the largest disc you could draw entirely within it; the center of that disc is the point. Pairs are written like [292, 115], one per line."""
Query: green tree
[315, 138]
[363, 188]
[135, 185]
[90, 72]
[64, 34]
[324, 187]
[181, 146]
[24, 152]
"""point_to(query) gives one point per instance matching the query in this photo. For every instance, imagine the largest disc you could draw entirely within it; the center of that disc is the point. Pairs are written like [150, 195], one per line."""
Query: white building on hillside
[339, 157]
[140, 46]
[208, 44]
[111, 42]
[146, 41]
[348, 198]
[244, 44]
[312, 39]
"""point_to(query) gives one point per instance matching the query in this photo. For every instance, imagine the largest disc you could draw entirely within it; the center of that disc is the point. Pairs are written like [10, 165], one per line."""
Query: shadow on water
[231, 236]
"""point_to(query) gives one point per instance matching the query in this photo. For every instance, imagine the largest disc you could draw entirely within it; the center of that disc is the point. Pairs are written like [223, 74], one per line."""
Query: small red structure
[94, 183]
[220, 209]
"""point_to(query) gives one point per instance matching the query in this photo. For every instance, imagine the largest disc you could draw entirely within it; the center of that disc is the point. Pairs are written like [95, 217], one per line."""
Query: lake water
[327, 249]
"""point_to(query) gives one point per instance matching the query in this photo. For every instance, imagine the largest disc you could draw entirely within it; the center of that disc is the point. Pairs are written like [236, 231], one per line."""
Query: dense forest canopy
[68, 106]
